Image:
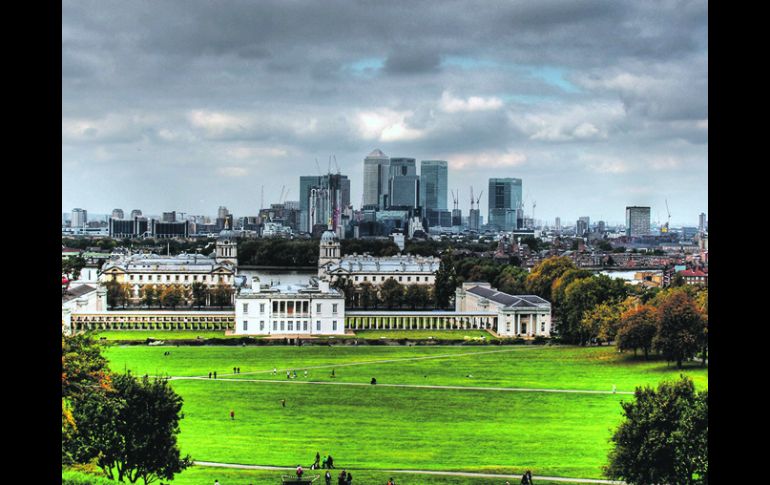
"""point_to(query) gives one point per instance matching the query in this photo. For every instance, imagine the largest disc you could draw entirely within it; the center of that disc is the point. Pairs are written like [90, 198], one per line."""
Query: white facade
[518, 315]
[81, 299]
[289, 310]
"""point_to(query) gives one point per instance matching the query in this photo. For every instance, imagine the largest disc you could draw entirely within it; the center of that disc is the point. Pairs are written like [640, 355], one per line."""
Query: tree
[637, 329]
[664, 438]
[601, 321]
[416, 295]
[392, 293]
[545, 273]
[445, 282]
[367, 295]
[132, 433]
[560, 284]
[149, 295]
[124, 295]
[113, 293]
[512, 280]
[680, 328]
[222, 294]
[199, 293]
[582, 295]
[72, 266]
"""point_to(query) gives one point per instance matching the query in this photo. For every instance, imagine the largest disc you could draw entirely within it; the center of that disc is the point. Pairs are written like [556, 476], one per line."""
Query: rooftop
[509, 301]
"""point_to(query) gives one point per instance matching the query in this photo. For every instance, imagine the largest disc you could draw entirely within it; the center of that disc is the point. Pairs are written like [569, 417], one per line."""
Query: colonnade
[420, 322]
[152, 322]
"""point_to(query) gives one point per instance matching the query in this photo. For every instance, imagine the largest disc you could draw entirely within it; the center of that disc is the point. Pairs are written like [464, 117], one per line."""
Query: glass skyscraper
[376, 176]
[433, 184]
[505, 203]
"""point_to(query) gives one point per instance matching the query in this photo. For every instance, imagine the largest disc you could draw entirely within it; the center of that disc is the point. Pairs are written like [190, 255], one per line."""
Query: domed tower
[329, 251]
[227, 247]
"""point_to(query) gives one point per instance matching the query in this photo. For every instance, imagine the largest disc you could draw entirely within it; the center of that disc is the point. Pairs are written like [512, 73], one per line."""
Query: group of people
[328, 462]
[526, 479]
[215, 375]
[166, 353]
[236, 370]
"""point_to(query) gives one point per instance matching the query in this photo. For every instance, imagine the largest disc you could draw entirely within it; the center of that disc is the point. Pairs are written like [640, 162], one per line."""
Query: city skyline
[596, 106]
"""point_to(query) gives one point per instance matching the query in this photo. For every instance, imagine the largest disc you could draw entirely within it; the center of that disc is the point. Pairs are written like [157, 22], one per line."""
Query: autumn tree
[600, 321]
[582, 295]
[148, 295]
[543, 275]
[124, 294]
[680, 328]
[367, 295]
[637, 329]
[170, 296]
[663, 438]
[199, 293]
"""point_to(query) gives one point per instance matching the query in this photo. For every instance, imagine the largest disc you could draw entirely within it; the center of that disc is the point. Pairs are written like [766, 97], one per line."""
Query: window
[356, 278]
[177, 277]
[245, 325]
[261, 308]
[168, 277]
[334, 308]
[417, 278]
[140, 277]
[132, 277]
[261, 325]
[186, 278]
[408, 278]
[318, 325]
[245, 308]
[334, 325]
[542, 326]
[400, 278]
[304, 326]
[508, 326]
[275, 326]
[290, 326]
[318, 308]
[281, 326]
[364, 278]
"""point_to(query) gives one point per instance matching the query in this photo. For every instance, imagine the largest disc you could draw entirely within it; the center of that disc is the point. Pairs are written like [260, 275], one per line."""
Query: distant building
[163, 230]
[136, 213]
[357, 269]
[637, 221]
[289, 310]
[117, 214]
[323, 201]
[505, 202]
[518, 315]
[582, 225]
[79, 218]
[702, 223]
[403, 184]
[695, 277]
[376, 171]
[433, 184]
[169, 216]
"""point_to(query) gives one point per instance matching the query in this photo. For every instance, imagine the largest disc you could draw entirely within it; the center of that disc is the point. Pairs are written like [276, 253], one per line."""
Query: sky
[189, 105]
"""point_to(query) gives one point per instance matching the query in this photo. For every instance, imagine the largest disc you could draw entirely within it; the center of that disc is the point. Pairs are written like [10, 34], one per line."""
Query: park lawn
[162, 334]
[385, 428]
[199, 474]
[422, 334]
[522, 366]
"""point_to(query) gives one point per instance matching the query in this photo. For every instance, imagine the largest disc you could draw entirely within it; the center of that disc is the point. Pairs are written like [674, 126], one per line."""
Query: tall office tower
[323, 200]
[637, 221]
[403, 184]
[433, 184]
[600, 226]
[169, 216]
[117, 214]
[79, 218]
[558, 225]
[136, 213]
[505, 207]
[376, 166]
[222, 212]
[702, 227]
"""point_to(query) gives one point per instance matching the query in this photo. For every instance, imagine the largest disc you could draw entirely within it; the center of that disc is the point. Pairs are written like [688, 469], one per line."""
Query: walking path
[413, 386]
[425, 472]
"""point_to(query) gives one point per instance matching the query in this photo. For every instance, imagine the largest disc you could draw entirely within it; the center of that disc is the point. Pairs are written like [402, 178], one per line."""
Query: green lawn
[422, 334]
[162, 334]
[379, 427]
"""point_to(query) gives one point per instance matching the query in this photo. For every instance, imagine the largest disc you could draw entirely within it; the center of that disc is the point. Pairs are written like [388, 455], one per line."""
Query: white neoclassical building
[406, 269]
[78, 299]
[518, 315]
[289, 310]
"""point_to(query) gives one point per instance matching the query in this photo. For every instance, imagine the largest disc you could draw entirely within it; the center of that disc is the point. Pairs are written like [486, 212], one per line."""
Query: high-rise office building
[169, 216]
[136, 213]
[323, 200]
[433, 184]
[474, 219]
[79, 218]
[582, 226]
[505, 203]
[403, 184]
[637, 221]
[558, 225]
[376, 166]
[117, 214]
[702, 223]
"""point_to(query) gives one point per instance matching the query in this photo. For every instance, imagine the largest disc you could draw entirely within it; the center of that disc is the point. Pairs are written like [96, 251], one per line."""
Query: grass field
[163, 335]
[372, 428]
[422, 334]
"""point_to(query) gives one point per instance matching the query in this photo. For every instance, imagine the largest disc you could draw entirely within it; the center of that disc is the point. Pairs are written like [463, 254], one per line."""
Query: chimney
[323, 286]
[255, 286]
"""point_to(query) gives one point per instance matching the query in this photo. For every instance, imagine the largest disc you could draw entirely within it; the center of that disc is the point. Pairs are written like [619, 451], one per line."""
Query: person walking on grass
[328, 478]
[317, 461]
[349, 479]
[215, 374]
[209, 375]
[343, 478]
[299, 471]
[391, 482]
[232, 414]
[529, 477]
[283, 403]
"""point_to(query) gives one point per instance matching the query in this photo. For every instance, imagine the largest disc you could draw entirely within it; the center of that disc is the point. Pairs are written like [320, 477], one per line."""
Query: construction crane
[471, 197]
[665, 228]
[285, 196]
[336, 165]
[454, 199]
[478, 200]
[534, 204]
[280, 197]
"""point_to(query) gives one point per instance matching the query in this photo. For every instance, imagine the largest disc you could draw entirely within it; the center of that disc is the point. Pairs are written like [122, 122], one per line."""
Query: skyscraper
[504, 203]
[637, 221]
[376, 166]
[117, 213]
[582, 226]
[403, 183]
[433, 184]
[558, 225]
[136, 213]
[323, 200]
[79, 218]
[702, 223]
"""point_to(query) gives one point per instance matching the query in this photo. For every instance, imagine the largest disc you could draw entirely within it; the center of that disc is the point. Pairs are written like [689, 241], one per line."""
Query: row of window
[288, 307]
[400, 278]
[289, 326]
[186, 278]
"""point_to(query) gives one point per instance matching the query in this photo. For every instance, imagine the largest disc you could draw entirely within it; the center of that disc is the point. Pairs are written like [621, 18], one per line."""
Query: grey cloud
[407, 61]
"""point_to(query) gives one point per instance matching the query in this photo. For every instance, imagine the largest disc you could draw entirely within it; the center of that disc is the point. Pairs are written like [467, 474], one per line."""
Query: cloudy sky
[189, 105]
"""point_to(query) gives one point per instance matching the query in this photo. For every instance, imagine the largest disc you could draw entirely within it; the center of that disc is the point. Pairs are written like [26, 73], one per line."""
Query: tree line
[196, 295]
